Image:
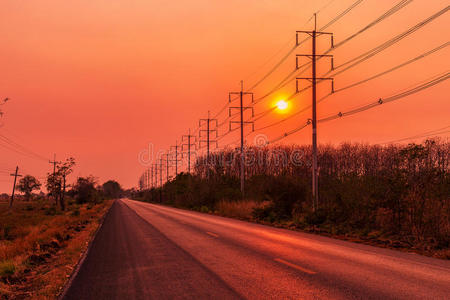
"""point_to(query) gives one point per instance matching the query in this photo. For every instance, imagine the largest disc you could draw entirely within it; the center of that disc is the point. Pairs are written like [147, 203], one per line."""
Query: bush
[50, 211]
[7, 268]
[316, 218]
[85, 190]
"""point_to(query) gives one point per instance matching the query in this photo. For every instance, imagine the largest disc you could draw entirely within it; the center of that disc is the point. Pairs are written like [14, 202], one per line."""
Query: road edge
[80, 262]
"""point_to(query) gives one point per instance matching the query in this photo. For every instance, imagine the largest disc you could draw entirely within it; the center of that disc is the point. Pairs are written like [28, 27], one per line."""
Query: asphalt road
[146, 251]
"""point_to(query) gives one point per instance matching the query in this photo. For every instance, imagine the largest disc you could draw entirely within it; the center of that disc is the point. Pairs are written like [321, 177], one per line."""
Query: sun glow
[282, 105]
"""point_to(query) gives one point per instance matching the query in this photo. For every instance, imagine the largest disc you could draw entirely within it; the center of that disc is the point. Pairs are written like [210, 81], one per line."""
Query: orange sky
[101, 79]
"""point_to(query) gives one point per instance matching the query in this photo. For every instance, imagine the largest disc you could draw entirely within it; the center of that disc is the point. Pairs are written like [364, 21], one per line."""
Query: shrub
[7, 268]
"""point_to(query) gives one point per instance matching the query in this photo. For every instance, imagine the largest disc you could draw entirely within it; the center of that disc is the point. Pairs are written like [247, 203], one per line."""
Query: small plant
[75, 213]
[51, 211]
[204, 209]
[6, 233]
[7, 268]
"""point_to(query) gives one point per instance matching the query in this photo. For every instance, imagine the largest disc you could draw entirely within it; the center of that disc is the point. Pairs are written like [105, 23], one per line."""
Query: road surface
[146, 251]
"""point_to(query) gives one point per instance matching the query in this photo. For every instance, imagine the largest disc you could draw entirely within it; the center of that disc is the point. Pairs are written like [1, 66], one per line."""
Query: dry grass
[238, 209]
[40, 246]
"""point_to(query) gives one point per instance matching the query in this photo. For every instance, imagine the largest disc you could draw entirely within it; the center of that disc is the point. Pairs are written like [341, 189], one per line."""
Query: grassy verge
[262, 213]
[40, 246]
[245, 210]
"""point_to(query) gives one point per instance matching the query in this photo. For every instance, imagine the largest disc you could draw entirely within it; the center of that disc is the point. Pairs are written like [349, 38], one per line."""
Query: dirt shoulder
[40, 246]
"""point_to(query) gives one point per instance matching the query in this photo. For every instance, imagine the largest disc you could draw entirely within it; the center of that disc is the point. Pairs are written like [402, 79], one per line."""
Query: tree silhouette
[27, 185]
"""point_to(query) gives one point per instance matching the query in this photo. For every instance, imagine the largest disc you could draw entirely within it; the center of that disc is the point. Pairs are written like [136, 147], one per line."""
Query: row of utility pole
[208, 127]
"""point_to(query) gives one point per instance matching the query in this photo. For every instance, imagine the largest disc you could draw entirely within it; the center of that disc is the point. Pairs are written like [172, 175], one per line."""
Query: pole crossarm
[243, 123]
[315, 33]
[311, 79]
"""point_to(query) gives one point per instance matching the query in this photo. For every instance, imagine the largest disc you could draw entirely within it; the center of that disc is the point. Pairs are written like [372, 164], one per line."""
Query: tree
[84, 190]
[53, 185]
[65, 169]
[56, 182]
[27, 185]
[112, 189]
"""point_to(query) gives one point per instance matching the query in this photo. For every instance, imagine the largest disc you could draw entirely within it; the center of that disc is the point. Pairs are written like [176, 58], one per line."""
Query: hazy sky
[101, 79]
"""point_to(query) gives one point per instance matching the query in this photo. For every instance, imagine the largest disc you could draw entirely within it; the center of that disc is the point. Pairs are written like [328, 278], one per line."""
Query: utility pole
[151, 177]
[160, 172]
[167, 166]
[314, 34]
[54, 162]
[208, 141]
[16, 174]
[145, 180]
[160, 179]
[184, 138]
[176, 156]
[155, 168]
[241, 108]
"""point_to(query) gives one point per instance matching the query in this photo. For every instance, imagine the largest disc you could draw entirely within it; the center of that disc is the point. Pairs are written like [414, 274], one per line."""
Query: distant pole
[151, 178]
[176, 156]
[207, 141]
[208, 138]
[160, 179]
[16, 174]
[189, 151]
[54, 162]
[156, 175]
[189, 144]
[160, 172]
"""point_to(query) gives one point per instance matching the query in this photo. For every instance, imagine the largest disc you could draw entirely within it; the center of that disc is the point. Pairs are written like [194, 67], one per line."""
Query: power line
[415, 59]
[277, 65]
[16, 147]
[422, 135]
[283, 59]
[359, 59]
[302, 69]
[380, 101]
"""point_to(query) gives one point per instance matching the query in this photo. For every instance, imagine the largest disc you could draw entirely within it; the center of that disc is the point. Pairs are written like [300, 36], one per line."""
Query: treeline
[83, 190]
[400, 191]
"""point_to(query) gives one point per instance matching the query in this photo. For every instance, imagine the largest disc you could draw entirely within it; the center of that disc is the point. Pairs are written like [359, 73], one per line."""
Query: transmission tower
[208, 140]
[313, 56]
[174, 155]
[241, 123]
[187, 139]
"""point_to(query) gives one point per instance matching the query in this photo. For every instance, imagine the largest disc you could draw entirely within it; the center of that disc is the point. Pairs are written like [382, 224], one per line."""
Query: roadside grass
[249, 210]
[40, 245]
[238, 209]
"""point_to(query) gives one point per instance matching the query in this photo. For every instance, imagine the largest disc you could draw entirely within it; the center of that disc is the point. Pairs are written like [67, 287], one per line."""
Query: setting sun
[282, 105]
